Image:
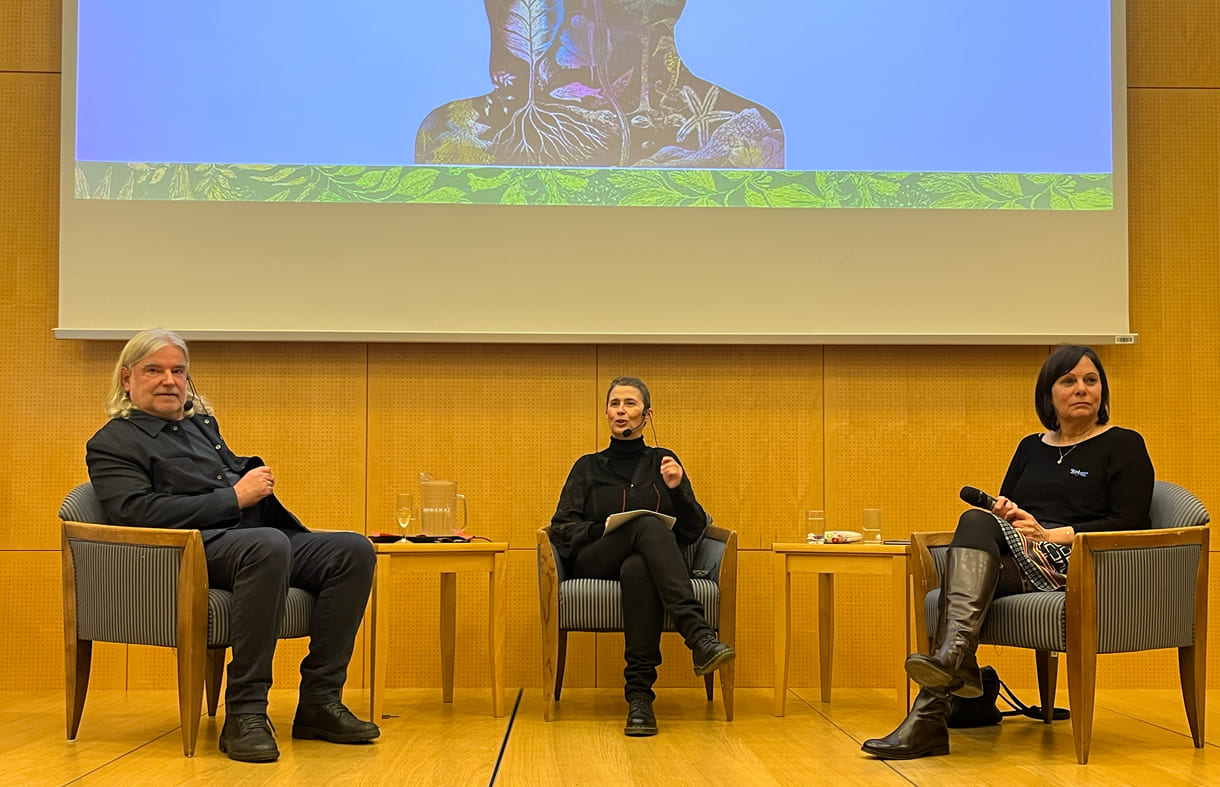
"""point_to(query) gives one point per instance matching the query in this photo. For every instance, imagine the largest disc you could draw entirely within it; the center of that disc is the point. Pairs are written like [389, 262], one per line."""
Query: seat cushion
[597, 604]
[297, 612]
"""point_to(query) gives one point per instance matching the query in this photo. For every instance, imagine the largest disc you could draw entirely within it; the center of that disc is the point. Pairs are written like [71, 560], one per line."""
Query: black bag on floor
[978, 711]
[982, 711]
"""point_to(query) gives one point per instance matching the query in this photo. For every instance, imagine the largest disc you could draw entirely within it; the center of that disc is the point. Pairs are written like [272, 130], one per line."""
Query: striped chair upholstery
[1130, 618]
[125, 585]
[595, 605]
[1146, 590]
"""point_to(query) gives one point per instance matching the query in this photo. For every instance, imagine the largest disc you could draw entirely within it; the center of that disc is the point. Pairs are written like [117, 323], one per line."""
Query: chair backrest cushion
[1173, 506]
[81, 505]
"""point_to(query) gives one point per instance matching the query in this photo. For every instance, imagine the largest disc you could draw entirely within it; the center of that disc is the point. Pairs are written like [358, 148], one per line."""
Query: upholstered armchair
[147, 586]
[1126, 591]
[569, 604]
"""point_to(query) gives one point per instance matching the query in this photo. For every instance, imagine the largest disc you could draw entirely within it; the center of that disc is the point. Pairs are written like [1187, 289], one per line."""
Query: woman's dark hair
[1057, 364]
[634, 382]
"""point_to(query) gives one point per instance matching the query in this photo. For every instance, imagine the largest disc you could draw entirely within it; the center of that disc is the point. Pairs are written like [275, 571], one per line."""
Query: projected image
[597, 83]
[709, 103]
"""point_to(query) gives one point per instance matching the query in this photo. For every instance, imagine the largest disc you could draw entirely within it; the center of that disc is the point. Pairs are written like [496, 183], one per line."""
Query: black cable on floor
[504, 744]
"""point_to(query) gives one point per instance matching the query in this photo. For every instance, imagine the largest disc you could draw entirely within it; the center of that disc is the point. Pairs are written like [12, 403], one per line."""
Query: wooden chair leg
[553, 642]
[1082, 688]
[1048, 678]
[728, 681]
[709, 684]
[561, 663]
[214, 677]
[1192, 667]
[79, 658]
[192, 662]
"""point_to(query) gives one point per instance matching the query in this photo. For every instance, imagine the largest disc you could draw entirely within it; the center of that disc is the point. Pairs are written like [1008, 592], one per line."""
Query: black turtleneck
[623, 455]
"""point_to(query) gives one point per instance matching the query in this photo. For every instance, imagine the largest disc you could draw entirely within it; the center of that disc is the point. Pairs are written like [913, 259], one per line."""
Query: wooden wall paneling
[33, 620]
[29, 35]
[906, 428]
[1173, 43]
[755, 644]
[745, 421]
[42, 445]
[504, 421]
[301, 407]
[523, 635]
[1166, 385]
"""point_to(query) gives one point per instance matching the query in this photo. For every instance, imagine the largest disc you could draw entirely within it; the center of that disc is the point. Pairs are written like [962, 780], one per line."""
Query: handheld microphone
[977, 498]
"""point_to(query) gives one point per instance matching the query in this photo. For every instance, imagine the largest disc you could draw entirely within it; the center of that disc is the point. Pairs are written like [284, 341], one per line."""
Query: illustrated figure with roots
[597, 83]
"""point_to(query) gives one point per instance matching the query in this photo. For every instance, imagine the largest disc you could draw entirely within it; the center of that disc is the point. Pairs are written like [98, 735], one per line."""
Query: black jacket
[593, 491]
[145, 475]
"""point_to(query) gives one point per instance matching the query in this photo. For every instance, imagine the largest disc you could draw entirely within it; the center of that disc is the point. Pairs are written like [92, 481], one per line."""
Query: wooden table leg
[448, 631]
[826, 631]
[783, 628]
[901, 629]
[379, 636]
[497, 592]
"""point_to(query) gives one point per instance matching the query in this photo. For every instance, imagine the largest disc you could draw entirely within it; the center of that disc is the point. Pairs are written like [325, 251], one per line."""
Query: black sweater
[624, 477]
[1103, 483]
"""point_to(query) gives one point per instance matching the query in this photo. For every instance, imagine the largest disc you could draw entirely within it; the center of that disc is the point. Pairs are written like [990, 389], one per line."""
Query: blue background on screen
[872, 85]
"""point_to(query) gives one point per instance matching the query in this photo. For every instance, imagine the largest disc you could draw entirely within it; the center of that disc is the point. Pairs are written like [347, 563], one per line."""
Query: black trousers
[646, 559]
[978, 529]
[259, 565]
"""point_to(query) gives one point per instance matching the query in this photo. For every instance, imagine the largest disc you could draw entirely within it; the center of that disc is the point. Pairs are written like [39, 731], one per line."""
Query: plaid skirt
[1044, 564]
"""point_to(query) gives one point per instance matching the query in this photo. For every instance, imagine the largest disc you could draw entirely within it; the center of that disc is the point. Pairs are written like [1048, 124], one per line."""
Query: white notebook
[615, 520]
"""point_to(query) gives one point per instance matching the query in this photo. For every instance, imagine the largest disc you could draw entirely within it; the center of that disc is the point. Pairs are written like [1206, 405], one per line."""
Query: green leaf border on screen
[637, 187]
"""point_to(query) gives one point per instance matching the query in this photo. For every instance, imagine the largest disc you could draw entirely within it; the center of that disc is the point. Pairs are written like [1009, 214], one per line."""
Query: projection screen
[595, 170]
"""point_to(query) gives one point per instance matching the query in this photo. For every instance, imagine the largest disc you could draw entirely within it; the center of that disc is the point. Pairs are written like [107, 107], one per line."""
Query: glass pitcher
[438, 501]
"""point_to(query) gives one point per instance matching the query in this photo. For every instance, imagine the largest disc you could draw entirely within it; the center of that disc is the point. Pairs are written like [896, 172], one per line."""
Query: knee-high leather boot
[923, 733]
[965, 596]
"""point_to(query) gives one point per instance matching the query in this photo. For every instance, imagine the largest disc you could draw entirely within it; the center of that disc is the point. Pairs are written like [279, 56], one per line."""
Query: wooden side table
[826, 560]
[446, 560]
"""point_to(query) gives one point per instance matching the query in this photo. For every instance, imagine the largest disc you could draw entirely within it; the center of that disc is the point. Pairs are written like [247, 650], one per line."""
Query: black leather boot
[965, 596]
[923, 733]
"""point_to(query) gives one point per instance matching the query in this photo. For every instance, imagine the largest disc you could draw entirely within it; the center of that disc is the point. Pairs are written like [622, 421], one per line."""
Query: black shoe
[332, 722]
[249, 737]
[711, 654]
[640, 720]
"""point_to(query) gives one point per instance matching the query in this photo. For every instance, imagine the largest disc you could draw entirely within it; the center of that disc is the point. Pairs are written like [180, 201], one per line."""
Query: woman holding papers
[642, 551]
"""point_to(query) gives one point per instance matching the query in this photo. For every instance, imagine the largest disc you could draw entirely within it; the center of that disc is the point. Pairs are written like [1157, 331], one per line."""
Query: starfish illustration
[703, 113]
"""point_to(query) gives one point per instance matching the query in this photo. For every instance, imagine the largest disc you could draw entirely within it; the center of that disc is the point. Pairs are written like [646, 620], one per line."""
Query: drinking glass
[404, 509]
[870, 526]
[815, 526]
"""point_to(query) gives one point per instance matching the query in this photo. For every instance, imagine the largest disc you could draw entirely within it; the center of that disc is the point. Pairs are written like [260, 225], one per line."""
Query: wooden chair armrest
[136, 536]
[924, 578]
[548, 577]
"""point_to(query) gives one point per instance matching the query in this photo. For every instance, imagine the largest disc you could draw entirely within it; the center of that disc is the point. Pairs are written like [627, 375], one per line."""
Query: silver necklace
[1072, 448]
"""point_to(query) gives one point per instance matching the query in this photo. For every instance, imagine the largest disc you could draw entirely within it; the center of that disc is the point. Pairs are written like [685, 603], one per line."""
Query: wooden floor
[131, 738]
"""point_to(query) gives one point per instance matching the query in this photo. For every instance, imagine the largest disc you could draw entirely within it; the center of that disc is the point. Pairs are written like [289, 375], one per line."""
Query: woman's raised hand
[671, 472]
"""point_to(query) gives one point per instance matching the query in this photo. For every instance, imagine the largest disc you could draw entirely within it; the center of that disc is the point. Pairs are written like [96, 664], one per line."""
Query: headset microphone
[632, 429]
[190, 404]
